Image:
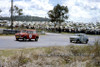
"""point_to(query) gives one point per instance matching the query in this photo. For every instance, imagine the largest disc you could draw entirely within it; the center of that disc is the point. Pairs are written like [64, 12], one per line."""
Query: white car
[79, 38]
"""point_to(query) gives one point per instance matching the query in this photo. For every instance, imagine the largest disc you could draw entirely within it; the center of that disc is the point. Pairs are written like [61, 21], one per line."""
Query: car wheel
[71, 41]
[24, 39]
[17, 39]
[80, 41]
[77, 41]
[36, 39]
[29, 39]
[86, 41]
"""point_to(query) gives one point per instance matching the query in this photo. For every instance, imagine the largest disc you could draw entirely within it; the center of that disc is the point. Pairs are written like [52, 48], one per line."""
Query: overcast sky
[79, 10]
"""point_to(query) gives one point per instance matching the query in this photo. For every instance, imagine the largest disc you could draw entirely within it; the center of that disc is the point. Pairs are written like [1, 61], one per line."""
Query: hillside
[25, 18]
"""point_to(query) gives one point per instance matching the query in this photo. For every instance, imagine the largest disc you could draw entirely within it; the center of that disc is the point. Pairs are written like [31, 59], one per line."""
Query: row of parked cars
[73, 27]
[76, 30]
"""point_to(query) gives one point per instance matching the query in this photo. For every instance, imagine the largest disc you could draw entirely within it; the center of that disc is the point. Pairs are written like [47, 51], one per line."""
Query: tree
[15, 11]
[0, 10]
[58, 14]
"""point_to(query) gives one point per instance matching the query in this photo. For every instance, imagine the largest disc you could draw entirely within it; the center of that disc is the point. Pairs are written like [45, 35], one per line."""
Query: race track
[50, 39]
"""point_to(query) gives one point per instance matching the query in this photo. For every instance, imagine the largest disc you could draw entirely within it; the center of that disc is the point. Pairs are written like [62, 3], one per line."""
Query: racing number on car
[30, 35]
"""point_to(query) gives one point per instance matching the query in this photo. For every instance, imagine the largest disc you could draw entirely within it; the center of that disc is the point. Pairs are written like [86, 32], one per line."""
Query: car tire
[86, 41]
[36, 39]
[17, 39]
[70, 41]
[24, 39]
[77, 41]
[29, 39]
[80, 41]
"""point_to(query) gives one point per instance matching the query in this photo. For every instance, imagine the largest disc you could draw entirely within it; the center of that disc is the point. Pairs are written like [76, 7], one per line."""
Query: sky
[79, 10]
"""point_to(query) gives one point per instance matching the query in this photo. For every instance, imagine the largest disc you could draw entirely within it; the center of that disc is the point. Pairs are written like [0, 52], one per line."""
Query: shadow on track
[26, 41]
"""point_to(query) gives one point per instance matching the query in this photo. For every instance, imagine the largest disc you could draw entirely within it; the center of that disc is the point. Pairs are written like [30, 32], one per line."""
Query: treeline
[25, 18]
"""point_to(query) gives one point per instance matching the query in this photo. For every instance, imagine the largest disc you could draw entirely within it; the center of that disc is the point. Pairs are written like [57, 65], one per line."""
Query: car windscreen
[79, 35]
[34, 32]
[30, 32]
[23, 31]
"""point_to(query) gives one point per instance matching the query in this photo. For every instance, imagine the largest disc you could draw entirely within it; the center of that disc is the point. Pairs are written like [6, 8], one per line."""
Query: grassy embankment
[68, 56]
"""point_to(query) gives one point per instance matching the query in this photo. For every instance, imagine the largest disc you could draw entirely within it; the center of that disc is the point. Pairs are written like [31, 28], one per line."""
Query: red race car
[27, 34]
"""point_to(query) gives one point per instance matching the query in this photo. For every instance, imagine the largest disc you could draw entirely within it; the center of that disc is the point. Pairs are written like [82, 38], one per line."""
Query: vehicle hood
[74, 36]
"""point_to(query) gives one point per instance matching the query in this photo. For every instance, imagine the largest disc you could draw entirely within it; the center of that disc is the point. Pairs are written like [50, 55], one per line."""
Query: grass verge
[67, 56]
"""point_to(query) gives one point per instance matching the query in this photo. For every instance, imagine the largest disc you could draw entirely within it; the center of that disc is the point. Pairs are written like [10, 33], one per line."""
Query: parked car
[79, 38]
[27, 34]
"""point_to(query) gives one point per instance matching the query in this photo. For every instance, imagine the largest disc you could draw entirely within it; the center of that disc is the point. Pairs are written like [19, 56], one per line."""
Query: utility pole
[11, 14]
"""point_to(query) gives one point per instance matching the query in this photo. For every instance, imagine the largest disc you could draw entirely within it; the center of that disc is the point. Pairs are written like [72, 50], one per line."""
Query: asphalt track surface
[50, 39]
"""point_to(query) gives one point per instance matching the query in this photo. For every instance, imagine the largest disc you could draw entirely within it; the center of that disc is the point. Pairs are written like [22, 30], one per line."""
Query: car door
[85, 38]
[82, 38]
[34, 35]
